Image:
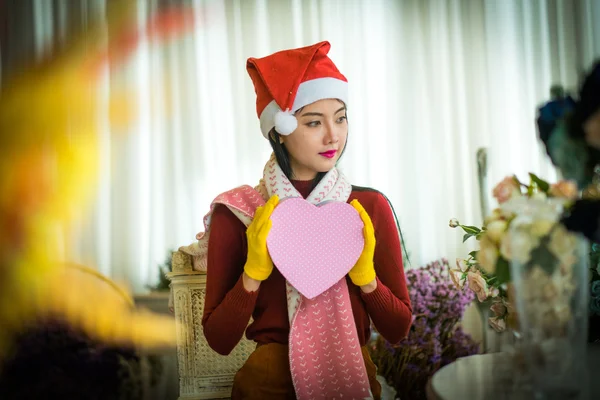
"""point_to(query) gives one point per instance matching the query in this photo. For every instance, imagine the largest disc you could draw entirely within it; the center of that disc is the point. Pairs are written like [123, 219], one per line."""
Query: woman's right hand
[258, 263]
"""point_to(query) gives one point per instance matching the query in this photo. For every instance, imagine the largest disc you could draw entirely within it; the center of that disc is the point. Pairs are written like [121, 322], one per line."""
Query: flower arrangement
[434, 339]
[536, 208]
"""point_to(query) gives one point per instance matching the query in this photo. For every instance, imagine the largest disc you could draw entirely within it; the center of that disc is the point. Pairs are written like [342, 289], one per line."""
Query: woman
[301, 104]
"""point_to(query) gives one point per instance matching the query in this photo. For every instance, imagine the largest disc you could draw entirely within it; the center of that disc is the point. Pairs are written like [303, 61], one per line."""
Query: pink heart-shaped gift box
[314, 247]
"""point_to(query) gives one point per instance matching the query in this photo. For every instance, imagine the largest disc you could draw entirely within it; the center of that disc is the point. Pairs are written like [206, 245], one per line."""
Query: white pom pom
[285, 123]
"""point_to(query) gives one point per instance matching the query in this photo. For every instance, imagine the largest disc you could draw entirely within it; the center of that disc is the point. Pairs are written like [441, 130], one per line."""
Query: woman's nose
[332, 135]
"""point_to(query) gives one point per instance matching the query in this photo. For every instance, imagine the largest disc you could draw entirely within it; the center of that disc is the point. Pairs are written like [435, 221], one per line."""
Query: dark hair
[405, 255]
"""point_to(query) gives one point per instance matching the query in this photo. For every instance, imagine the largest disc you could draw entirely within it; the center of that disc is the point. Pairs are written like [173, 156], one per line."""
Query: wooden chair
[203, 373]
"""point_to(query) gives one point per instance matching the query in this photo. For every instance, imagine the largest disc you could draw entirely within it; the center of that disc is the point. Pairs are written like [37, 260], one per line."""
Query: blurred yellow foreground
[48, 172]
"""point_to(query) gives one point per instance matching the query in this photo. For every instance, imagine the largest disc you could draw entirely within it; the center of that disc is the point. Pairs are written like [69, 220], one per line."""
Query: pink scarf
[324, 350]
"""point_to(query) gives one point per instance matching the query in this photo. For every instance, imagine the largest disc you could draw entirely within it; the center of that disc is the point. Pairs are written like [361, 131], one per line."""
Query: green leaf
[540, 183]
[471, 229]
[467, 236]
[517, 181]
[473, 254]
[502, 271]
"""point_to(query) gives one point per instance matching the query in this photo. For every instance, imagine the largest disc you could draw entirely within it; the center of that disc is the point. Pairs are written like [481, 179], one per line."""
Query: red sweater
[228, 306]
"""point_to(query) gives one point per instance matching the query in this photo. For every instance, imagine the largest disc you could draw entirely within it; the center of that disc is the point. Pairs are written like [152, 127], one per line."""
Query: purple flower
[434, 339]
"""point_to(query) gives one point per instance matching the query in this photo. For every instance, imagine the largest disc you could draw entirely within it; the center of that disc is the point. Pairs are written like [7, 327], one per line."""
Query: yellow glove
[258, 263]
[363, 271]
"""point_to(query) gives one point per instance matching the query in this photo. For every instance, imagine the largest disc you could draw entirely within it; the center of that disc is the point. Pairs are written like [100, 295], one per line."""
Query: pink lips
[329, 154]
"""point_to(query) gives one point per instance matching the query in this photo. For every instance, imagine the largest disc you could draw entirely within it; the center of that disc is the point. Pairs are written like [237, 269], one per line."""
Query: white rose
[562, 242]
[495, 230]
[487, 256]
[539, 196]
[563, 314]
[517, 246]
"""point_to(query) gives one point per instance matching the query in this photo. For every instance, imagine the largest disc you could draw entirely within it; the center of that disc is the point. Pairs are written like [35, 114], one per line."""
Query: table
[473, 378]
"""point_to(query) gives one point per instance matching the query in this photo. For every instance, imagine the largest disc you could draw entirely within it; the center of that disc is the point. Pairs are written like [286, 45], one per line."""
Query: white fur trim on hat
[308, 92]
[285, 122]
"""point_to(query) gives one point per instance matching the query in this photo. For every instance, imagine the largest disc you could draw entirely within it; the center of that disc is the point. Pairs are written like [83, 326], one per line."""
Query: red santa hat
[291, 79]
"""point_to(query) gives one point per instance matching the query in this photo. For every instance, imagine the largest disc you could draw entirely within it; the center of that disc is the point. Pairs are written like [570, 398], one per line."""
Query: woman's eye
[313, 124]
[341, 119]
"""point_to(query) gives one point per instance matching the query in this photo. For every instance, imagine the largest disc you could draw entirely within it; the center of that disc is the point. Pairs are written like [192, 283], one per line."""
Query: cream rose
[498, 324]
[478, 285]
[563, 314]
[495, 230]
[487, 256]
[564, 189]
[562, 243]
[517, 246]
[541, 227]
[456, 277]
[495, 215]
[506, 189]
[494, 292]
[539, 196]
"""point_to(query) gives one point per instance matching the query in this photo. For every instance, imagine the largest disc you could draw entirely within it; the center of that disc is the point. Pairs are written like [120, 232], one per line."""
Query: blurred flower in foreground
[48, 170]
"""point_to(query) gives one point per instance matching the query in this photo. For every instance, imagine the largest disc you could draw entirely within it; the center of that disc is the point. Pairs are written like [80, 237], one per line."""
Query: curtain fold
[430, 83]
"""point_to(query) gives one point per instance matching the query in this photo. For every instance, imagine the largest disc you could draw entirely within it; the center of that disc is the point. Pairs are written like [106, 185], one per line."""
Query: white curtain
[430, 82]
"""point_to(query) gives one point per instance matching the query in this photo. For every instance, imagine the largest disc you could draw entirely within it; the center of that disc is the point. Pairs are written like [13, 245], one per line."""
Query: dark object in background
[589, 96]
[594, 329]
[51, 360]
[584, 217]
[560, 127]
[552, 112]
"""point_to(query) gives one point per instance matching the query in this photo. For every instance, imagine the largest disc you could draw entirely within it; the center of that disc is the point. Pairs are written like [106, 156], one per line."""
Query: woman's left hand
[363, 271]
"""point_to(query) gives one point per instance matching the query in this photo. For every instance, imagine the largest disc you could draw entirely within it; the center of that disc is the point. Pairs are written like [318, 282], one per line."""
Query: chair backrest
[203, 373]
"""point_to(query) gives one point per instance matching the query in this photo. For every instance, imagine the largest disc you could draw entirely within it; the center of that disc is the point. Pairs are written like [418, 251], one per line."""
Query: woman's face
[319, 139]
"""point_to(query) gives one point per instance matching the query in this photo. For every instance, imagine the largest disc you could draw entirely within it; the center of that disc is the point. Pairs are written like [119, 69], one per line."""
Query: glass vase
[549, 272]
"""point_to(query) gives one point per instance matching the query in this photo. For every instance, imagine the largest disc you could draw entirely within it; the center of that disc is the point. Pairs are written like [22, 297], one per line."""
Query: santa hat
[291, 79]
